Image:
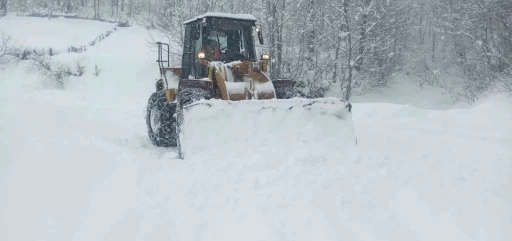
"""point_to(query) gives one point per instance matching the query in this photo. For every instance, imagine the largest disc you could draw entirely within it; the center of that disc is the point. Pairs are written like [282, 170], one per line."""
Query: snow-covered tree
[348, 45]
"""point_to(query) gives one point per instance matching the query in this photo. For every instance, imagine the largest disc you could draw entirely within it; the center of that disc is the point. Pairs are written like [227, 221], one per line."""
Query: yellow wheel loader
[222, 90]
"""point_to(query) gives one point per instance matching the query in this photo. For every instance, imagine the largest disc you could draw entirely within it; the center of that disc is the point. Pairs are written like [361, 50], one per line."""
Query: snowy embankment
[76, 164]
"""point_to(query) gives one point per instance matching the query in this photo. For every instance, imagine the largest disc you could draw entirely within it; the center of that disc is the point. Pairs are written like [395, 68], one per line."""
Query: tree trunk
[420, 30]
[337, 54]
[95, 9]
[310, 37]
[280, 40]
[336, 58]
[130, 8]
[112, 7]
[69, 7]
[348, 90]
[272, 6]
[434, 47]
[3, 7]
[362, 40]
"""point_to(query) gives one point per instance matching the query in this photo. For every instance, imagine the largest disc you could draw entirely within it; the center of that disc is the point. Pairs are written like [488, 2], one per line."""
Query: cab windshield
[229, 40]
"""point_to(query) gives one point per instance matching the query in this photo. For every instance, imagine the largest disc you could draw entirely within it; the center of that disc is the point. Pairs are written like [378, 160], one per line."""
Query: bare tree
[8, 50]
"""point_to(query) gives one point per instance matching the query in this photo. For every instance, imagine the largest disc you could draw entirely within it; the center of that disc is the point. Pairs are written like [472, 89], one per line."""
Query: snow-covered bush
[314, 87]
[8, 49]
[124, 24]
[54, 72]
[96, 72]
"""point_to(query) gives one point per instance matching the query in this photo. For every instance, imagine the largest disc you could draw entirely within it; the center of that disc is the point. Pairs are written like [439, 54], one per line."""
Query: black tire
[187, 97]
[161, 120]
[289, 93]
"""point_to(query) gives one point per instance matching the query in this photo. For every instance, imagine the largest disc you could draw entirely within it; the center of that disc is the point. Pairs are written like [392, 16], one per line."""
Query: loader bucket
[217, 128]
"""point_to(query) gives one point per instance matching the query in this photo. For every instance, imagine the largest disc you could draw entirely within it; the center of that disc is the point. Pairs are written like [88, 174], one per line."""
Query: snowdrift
[269, 126]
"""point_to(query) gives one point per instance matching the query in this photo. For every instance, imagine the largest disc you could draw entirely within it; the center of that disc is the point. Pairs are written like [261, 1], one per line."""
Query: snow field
[453, 167]
[77, 164]
[43, 33]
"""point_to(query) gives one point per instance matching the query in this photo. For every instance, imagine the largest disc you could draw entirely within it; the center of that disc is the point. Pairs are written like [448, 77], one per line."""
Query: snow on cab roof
[248, 17]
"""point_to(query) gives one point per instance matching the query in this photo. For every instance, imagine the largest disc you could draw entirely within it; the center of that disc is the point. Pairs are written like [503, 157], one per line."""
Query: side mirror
[259, 30]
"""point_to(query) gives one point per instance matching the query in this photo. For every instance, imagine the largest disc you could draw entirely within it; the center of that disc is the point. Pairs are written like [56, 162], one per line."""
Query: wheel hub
[155, 120]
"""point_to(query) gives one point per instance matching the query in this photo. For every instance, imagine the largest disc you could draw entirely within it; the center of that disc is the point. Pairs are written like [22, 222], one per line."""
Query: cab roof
[245, 17]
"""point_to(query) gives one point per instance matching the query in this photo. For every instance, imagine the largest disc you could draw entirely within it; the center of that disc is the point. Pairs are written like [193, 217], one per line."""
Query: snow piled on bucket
[268, 126]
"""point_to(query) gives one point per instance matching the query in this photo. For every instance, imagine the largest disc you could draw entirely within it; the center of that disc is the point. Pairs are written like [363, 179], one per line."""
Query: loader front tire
[161, 120]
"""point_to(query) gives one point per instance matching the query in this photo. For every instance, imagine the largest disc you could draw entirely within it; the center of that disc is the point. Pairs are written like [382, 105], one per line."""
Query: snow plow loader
[221, 99]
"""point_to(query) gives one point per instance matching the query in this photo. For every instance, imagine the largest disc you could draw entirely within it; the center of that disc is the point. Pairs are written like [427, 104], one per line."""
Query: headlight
[201, 55]
[265, 57]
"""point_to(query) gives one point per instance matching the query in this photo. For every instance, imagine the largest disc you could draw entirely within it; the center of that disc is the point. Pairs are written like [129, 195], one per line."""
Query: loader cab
[224, 38]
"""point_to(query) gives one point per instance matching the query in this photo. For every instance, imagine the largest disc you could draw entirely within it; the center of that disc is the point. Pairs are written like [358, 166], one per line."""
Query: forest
[463, 46]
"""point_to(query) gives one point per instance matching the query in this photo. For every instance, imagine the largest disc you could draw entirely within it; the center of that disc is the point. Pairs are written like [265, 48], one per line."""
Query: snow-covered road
[78, 165]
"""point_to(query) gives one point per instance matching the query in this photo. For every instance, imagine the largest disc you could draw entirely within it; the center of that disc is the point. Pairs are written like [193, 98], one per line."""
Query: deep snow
[76, 164]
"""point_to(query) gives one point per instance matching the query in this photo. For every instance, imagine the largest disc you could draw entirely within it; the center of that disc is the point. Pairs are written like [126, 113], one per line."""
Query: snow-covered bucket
[234, 128]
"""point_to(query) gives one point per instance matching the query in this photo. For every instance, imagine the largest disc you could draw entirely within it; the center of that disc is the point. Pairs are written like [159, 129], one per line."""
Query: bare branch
[8, 49]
